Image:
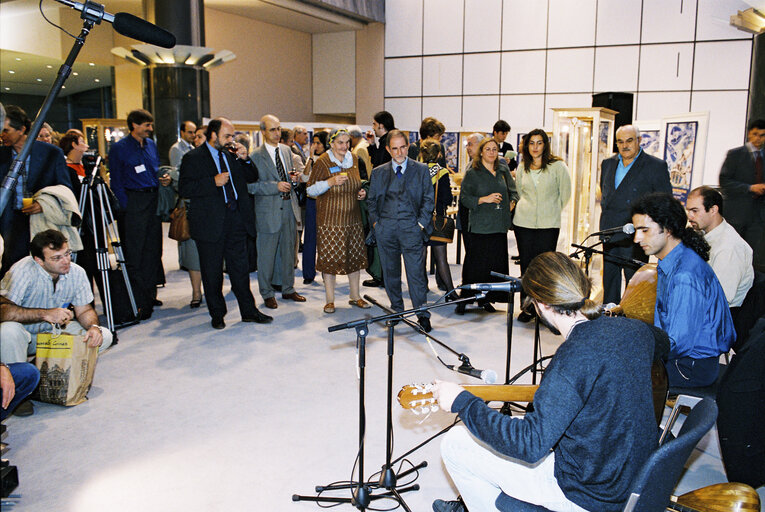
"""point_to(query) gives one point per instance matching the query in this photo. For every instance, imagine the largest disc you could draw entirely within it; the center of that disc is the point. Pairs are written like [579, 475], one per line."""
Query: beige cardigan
[541, 203]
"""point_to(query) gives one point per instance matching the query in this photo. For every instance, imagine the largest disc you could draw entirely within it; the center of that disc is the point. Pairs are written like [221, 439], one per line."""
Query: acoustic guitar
[727, 497]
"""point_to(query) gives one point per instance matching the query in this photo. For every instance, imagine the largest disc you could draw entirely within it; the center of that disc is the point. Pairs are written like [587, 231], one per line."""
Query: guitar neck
[503, 392]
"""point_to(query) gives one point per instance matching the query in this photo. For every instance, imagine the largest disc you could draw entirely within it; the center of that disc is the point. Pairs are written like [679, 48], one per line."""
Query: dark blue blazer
[207, 208]
[647, 174]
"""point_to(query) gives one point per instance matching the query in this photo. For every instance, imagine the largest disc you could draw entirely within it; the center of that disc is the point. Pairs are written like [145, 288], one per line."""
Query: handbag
[443, 226]
[179, 223]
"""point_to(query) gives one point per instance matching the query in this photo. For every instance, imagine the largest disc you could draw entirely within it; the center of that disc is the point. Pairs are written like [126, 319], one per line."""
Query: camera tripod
[94, 189]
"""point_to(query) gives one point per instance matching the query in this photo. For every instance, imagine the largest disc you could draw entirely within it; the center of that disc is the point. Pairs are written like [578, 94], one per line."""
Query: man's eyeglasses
[67, 254]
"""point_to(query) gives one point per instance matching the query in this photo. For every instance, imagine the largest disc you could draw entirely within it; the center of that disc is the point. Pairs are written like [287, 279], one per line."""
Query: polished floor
[185, 418]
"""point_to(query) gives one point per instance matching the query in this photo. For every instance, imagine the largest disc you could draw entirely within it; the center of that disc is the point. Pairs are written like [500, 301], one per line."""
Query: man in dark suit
[46, 166]
[220, 217]
[276, 213]
[743, 187]
[625, 178]
[401, 202]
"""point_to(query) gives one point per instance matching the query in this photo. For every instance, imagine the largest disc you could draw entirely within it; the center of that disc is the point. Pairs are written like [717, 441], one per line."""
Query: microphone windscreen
[489, 376]
[629, 228]
[136, 28]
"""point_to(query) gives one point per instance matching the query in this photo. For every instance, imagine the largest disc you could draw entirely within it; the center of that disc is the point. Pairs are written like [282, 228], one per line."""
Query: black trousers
[143, 246]
[232, 247]
[612, 271]
[533, 242]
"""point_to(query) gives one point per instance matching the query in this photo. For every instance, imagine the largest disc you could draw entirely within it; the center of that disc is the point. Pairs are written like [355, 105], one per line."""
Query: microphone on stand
[124, 23]
[513, 285]
[487, 376]
[628, 229]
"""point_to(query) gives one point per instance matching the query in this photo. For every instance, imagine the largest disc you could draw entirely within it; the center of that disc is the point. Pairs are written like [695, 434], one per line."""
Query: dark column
[177, 92]
[756, 108]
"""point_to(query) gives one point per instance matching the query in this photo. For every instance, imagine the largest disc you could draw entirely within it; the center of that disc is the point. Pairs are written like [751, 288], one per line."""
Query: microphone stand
[621, 261]
[90, 16]
[363, 491]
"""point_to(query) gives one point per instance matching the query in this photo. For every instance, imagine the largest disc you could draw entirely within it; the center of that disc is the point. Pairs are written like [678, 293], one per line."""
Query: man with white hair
[359, 147]
[625, 178]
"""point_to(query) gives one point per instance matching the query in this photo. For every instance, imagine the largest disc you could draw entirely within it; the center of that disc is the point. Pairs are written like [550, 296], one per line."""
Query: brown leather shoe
[293, 296]
[271, 303]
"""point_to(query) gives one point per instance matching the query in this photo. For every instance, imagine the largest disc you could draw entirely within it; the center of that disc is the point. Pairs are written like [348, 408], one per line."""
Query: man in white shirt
[730, 256]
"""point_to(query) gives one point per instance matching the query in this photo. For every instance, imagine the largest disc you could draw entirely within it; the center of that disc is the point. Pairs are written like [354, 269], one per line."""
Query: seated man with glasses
[39, 291]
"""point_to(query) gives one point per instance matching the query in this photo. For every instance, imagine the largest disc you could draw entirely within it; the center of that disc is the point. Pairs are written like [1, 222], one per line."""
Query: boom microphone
[487, 376]
[125, 23]
[514, 285]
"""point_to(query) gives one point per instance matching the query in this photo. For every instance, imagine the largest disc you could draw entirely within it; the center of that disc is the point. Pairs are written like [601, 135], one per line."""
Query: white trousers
[481, 474]
[16, 343]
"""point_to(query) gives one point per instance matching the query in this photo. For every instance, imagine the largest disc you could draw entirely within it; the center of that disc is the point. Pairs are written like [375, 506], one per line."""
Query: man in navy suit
[625, 178]
[743, 186]
[401, 202]
[45, 167]
[220, 217]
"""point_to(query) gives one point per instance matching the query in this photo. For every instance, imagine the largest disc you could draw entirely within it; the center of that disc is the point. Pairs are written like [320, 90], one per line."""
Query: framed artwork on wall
[683, 140]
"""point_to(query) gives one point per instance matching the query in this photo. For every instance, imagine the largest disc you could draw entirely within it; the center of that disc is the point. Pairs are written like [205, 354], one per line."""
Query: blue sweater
[593, 409]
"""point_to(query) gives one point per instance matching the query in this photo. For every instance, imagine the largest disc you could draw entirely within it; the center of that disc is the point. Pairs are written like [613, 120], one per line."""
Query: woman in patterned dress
[340, 235]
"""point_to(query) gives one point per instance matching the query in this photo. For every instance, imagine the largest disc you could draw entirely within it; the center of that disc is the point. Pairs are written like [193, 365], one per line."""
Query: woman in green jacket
[488, 191]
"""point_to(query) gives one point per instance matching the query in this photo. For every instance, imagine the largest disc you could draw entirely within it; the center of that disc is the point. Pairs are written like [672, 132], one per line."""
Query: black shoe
[307, 281]
[449, 506]
[461, 307]
[258, 318]
[488, 307]
[25, 408]
[373, 283]
[145, 313]
[425, 323]
[157, 302]
[525, 317]
[195, 303]
[277, 287]
[218, 323]
[452, 297]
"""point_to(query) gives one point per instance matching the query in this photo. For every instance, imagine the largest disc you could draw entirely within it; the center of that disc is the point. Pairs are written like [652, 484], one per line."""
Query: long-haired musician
[592, 426]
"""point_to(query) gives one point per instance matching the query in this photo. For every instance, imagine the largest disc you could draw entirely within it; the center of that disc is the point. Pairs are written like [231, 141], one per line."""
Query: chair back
[654, 484]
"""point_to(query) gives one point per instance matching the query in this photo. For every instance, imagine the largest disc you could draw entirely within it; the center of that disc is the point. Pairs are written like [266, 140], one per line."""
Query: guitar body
[727, 497]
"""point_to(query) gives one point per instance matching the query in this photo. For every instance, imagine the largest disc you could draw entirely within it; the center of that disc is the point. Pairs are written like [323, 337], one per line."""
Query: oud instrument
[419, 397]
[727, 497]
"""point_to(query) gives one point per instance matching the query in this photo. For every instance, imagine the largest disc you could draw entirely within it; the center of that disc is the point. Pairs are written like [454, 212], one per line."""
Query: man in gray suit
[742, 181]
[401, 202]
[625, 178]
[276, 213]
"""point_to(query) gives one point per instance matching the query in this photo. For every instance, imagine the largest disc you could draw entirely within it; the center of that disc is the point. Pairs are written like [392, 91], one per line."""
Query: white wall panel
[570, 70]
[571, 23]
[523, 72]
[483, 25]
[655, 105]
[442, 75]
[727, 126]
[616, 68]
[722, 65]
[405, 111]
[523, 112]
[481, 73]
[443, 26]
[524, 24]
[479, 113]
[714, 19]
[448, 110]
[665, 67]
[403, 27]
[668, 20]
[403, 77]
[618, 22]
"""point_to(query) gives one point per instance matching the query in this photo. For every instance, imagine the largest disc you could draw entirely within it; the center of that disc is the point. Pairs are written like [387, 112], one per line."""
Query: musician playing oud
[690, 302]
[592, 427]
